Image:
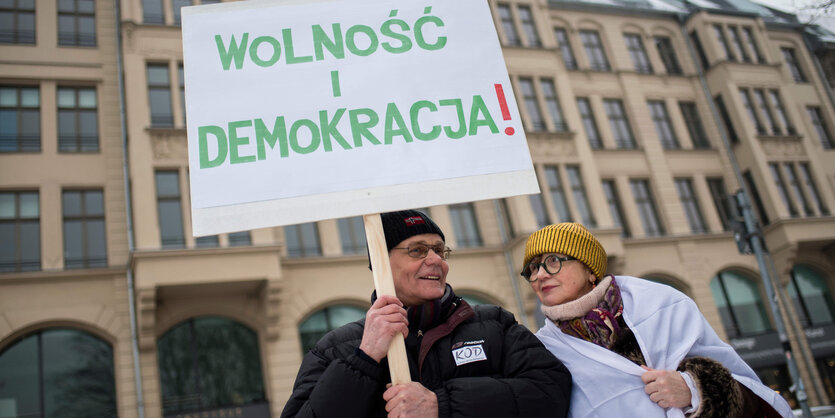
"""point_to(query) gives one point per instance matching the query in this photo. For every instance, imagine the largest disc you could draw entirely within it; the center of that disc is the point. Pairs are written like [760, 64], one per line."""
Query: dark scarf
[430, 314]
[601, 325]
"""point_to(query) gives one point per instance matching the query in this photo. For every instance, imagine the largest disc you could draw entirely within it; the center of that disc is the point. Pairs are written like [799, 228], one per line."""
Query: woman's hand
[383, 321]
[666, 388]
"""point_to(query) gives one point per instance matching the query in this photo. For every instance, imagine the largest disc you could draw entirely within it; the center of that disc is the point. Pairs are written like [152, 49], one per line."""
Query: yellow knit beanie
[571, 239]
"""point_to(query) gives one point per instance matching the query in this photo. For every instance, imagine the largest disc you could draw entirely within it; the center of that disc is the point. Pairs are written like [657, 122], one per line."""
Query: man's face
[418, 280]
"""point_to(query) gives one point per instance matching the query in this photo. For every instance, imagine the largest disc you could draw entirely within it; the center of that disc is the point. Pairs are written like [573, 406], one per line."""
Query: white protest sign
[309, 111]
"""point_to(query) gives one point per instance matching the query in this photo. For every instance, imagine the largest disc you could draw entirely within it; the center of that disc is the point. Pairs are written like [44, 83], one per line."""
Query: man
[464, 361]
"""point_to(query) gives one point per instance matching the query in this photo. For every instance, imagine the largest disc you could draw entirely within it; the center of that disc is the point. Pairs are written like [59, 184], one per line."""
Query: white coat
[668, 327]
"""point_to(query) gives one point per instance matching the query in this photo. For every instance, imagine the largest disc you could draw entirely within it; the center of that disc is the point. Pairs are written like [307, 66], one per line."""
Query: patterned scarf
[601, 324]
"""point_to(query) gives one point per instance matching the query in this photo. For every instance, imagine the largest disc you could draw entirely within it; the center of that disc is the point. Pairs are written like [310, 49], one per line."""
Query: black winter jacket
[518, 378]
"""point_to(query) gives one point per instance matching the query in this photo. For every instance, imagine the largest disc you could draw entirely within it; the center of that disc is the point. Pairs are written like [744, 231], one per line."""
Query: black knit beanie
[403, 224]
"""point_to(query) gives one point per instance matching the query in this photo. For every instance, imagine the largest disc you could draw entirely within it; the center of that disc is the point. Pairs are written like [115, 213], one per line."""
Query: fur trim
[580, 306]
[718, 390]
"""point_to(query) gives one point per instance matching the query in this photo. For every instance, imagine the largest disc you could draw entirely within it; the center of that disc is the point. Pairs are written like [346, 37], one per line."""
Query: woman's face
[572, 281]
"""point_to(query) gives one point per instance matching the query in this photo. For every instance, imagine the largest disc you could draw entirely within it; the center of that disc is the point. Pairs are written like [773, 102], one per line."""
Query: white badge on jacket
[470, 352]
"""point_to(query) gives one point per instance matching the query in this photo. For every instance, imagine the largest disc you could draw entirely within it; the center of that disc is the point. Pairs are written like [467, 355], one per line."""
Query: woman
[634, 348]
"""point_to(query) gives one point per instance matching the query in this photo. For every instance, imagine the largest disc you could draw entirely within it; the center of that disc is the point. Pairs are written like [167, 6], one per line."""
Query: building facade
[641, 117]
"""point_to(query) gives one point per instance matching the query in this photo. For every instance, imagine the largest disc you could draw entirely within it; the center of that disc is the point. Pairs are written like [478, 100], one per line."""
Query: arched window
[474, 300]
[57, 373]
[739, 303]
[326, 320]
[667, 282]
[811, 297]
[207, 363]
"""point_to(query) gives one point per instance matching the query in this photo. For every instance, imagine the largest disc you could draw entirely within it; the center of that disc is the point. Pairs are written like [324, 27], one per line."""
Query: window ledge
[780, 138]
[546, 135]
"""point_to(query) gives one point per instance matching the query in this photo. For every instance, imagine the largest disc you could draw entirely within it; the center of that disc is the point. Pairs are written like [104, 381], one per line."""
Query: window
[540, 211]
[565, 49]
[755, 196]
[352, 235]
[322, 322]
[85, 242]
[240, 238]
[58, 372]
[159, 96]
[594, 50]
[302, 240]
[795, 187]
[557, 192]
[780, 183]
[816, 116]
[182, 81]
[737, 43]
[740, 307]
[809, 183]
[646, 208]
[811, 296]
[663, 126]
[697, 43]
[752, 44]
[668, 55]
[20, 232]
[794, 65]
[723, 42]
[209, 241]
[177, 5]
[726, 120]
[209, 363]
[581, 200]
[587, 115]
[169, 209]
[531, 104]
[613, 201]
[20, 119]
[720, 201]
[639, 55]
[759, 96]
[549, 92]
[152, 12]
[77, 22]
[752, 113]
[17, 22]
[780, 111]
[78, 122]
[528, 26]
[465, 226]
[694, 124]
[506, 220]
[691, 206]
[508, 25]
[619, 123]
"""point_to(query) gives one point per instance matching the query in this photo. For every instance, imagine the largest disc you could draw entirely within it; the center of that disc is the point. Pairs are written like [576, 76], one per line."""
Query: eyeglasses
[422, 250]
[552, 264]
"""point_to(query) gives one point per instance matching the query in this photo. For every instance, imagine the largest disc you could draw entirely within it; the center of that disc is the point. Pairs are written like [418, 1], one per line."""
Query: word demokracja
[304, 136]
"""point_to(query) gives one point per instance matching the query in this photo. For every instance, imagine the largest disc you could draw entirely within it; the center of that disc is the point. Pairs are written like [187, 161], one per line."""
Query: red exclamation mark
[505, 111]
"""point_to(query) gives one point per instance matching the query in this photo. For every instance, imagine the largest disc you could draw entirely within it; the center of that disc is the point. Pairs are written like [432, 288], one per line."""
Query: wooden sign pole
[384, 284]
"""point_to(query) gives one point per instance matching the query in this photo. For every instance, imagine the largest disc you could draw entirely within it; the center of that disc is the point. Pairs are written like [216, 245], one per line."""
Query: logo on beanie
[414, 220]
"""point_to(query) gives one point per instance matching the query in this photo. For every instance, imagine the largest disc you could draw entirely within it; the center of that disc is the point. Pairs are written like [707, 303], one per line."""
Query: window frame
[465, 225]
[77, 38]
[619, 122]
[566, 51]
[635, 47]
[85, 217]
[23, 142]
[77, 142]
[663, 124]
[595, 51]
[17, 35]
[647, 208]
[667, 53]
[20, 221]
[690, 203]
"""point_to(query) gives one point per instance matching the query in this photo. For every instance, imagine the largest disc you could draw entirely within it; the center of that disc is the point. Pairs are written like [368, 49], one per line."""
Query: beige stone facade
[610, 181]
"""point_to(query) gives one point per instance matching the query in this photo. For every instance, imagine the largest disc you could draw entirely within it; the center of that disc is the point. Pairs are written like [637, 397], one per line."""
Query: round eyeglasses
[422, 250]
[552, 264]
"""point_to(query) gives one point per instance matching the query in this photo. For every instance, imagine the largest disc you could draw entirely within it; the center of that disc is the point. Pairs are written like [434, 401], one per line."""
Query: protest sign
[299, 112]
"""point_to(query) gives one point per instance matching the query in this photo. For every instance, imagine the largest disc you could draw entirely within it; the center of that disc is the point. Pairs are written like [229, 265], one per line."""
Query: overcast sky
[800, 7]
